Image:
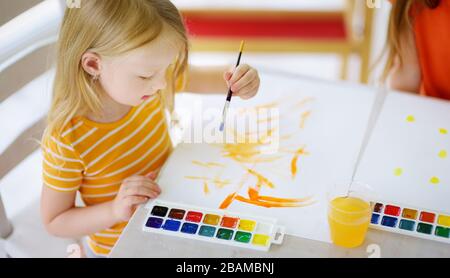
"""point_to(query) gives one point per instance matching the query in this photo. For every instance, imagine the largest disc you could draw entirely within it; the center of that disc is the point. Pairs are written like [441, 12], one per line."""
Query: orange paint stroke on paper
[304, 101]
[303, 118]
[227, 202]
[261, 179]
[205, 187]
[268, 204]
[246, 153]
[300, 151]
[207, 164]
[196, 178]
[264, 201]
[219, 183]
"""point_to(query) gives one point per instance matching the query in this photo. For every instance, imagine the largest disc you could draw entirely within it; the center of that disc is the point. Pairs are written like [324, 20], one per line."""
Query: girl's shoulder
[65, 135]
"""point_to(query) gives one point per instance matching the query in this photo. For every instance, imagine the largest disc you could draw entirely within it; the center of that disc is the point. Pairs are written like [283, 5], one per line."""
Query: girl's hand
[244, 81]
[134, 191]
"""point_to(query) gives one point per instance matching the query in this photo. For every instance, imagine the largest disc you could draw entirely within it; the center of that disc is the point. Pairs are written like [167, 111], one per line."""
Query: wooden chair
[22, 116]
[343, 27]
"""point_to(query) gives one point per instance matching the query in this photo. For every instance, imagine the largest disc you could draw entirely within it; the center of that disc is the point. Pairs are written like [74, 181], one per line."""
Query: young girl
[419, 44]
[118, 65]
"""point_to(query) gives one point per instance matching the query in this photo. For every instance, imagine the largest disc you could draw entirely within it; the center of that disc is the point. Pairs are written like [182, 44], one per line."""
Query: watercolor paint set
[212, 225]
[407, 220]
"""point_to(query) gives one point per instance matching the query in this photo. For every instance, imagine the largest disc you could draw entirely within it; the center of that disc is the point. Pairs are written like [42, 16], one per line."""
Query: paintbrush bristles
[241, 48]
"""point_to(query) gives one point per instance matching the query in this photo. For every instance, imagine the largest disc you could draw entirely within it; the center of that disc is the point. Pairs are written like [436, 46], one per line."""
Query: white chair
[22, 115]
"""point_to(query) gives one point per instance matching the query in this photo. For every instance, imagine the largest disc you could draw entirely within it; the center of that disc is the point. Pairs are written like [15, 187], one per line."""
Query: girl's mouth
[145, 97]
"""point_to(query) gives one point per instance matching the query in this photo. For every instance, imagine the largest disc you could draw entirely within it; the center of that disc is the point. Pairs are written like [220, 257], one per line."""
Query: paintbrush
[230, 93]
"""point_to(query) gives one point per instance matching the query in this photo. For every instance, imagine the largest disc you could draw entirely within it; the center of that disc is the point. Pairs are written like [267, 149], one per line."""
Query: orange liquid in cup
[349, 219]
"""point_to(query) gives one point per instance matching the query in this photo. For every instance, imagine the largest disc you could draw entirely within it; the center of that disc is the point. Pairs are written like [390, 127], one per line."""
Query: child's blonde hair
[108, 28]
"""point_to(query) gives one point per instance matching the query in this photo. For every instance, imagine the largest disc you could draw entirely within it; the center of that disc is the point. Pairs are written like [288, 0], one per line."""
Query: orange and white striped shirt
[95, 158]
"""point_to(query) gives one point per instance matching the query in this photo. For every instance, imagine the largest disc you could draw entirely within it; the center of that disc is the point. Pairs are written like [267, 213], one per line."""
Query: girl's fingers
[251, 87]
[141, 191]
[135, 200]
[151, 175]
[238, 73]
[247, 79]
[227, 75]
[153, 186]
[247, 96]
[145, 183]
[134, 178]
[249, 92]
[138, 191]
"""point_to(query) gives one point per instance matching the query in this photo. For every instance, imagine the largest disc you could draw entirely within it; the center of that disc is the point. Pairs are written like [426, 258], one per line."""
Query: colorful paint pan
[225, 233]
[212, 225]
[247, 225]
[189, 228]
[416, 222]
[207, 231]
[229, 222]
[211, 219]
[242, 236]
[171, 225]
[378, 208]
[159, 211]
[176, 213]
[154, 222]
[194, 216]
[409, 213]
[427, 217]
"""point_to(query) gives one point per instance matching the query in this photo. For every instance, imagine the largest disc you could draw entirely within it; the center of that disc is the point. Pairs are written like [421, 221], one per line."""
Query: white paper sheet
[331, 135]
[407, 152]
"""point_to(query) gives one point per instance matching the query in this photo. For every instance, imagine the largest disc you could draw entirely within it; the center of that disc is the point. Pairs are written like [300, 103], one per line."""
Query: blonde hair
[108, 28]
[400, 22]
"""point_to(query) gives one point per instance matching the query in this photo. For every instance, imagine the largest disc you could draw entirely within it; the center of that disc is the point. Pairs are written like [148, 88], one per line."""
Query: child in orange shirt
[419, 45]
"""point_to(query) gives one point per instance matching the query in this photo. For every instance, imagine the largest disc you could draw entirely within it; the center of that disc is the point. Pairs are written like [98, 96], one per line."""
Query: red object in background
[392, 210]
[304, 28]
[194, 216]
[427, 217]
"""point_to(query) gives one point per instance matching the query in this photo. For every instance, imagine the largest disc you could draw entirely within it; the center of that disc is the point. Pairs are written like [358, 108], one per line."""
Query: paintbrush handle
[230, 93]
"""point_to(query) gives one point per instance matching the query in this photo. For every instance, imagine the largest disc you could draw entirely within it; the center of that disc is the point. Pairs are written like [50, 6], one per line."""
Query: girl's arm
[207, 79]
[61, 218]
[406, 76]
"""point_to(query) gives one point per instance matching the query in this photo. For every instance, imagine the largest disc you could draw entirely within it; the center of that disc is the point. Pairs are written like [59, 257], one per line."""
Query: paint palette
[212, 225]
[411, 221]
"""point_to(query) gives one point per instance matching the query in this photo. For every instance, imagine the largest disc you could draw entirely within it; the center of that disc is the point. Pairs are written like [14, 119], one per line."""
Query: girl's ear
[91, 63]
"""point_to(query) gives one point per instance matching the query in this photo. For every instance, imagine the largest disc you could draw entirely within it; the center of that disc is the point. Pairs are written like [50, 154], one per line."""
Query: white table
[135, 243]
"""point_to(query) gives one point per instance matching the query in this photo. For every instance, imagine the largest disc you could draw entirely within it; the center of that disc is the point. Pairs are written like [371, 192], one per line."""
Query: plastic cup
[349, 214]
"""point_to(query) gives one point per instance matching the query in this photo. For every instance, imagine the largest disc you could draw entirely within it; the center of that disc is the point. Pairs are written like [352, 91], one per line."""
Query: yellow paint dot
[443, 131]
[398, 172]
[442, 154]
[434, 180]
[410, 118]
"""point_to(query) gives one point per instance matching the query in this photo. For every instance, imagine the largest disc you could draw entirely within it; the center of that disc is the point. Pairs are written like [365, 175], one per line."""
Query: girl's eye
[145, 78]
